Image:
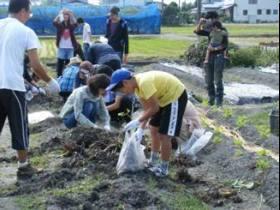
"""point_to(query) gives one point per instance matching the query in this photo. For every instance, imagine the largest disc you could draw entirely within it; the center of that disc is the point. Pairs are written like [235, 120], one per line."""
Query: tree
[171, 14]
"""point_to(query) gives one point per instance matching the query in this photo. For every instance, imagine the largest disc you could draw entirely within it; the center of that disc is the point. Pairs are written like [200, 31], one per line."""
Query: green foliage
[228, 113]
[263, 164]
[262, 153]
[264, 131]
[254, 56]
[28, 202]
[238, 142]
[195, 54]
[239, 153]
[218, 138]
[242, 121]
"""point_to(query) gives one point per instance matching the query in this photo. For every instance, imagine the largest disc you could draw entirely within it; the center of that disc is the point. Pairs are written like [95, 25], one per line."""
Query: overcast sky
[169, 1]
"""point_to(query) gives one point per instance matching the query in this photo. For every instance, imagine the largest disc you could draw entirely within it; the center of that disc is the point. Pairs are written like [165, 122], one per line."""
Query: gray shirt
[75, 104]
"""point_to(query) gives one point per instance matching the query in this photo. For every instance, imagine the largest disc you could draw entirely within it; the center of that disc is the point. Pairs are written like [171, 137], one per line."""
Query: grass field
[140, 48]
[235, 30]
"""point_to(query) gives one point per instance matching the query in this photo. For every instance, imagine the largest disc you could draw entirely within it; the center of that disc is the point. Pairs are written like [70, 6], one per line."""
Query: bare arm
[37, 66]
[151, 107]
[116, 105]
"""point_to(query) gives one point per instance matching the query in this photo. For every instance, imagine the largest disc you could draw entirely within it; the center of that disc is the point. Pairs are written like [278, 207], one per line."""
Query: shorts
[13, 106]
[170, 118]
[65, 54]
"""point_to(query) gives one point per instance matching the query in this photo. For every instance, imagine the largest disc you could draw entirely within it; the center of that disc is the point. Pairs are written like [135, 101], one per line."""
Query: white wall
[253, 11]
[121, 3]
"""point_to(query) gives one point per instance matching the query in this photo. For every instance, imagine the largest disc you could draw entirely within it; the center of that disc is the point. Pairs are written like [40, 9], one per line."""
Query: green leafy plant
[238, 142]
[218, 138]
[263, 164]
[264, 131]
[242, 121]
[228, 113]
[262, 153]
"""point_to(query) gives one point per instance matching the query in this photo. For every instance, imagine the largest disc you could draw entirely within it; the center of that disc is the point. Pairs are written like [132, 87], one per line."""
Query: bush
[196, 53]
[245, 57]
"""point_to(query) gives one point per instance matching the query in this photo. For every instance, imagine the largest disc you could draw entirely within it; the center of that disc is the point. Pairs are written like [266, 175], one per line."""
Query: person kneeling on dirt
[119, 106]
[164, 98]
[86, 105]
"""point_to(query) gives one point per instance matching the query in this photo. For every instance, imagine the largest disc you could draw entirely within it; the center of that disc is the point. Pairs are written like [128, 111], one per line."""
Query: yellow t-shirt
[166, 87]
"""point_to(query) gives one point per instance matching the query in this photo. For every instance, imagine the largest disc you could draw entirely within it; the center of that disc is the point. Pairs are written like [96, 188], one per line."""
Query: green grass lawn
[140, 48]
[237, 30]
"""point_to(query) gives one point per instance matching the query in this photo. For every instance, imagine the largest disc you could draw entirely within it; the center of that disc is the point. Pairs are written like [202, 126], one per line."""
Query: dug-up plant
[263, 131]
[228, 113]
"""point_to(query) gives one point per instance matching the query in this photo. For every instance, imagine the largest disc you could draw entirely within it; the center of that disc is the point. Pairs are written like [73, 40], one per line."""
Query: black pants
[214, 76]
[13, 106]
[61, 63]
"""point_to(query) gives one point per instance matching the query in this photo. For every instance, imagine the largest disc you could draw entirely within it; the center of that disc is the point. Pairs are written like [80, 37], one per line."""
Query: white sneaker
[159, 171]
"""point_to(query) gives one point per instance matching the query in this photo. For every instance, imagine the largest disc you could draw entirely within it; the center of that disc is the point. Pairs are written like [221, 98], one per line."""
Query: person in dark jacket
[214, 69]
[117, 34]
[104, 54]
[66, 42]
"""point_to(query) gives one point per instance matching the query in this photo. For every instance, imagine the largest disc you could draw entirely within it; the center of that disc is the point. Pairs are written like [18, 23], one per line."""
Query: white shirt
[15, 39]
[87, 34]
[65, 41]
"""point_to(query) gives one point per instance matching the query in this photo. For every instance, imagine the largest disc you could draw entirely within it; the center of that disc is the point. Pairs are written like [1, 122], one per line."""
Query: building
[123, 3]
[252, 11]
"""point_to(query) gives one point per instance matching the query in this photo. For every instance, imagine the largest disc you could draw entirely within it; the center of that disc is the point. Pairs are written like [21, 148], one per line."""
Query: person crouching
[86, 107]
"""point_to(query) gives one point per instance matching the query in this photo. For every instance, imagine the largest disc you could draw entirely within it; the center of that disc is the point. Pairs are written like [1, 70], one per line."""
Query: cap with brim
[75, 60]
[118, 77]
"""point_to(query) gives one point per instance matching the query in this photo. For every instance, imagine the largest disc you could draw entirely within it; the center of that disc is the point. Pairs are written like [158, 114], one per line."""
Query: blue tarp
[141, 20]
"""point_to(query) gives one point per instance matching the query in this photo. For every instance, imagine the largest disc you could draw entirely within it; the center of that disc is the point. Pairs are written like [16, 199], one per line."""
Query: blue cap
[118, 77]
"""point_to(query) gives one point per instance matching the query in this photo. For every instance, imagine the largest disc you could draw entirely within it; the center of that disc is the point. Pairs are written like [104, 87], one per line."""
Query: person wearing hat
[164, 98]
[117, 34]
[68, 78]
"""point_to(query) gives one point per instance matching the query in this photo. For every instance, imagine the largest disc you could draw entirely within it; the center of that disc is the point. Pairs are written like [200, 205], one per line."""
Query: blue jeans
[86, 47]
[65, 54]
[89, 110]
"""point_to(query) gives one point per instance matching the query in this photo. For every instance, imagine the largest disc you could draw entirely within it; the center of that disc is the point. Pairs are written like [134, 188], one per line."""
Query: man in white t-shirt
[86, 36]
[15, 39]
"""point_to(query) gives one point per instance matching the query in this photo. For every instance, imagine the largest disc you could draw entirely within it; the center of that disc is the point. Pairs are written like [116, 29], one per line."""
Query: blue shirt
[67, 80]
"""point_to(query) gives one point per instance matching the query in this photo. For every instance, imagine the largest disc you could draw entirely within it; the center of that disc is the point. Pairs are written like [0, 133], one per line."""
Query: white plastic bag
[186, 146]
[196, 143]
[132, 157]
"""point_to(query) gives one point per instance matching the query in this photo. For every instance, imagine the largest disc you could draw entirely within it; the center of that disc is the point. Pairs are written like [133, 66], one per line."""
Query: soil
[73, 156]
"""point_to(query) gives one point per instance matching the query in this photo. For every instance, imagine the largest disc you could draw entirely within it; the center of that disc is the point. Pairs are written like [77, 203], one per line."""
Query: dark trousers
[86, 50]
[61, 63]
[214, 77]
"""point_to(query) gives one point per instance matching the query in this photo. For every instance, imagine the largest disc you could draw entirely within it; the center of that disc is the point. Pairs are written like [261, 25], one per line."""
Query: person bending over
[164, 98]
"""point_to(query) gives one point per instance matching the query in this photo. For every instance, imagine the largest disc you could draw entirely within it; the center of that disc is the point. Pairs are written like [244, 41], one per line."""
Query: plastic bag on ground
[132, 157]
[186, 146]
[195, 144]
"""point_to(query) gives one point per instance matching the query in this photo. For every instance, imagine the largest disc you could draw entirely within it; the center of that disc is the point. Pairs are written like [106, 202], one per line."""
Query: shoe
[27, 172]
[151, 164]
[219, 102]
[159, 171]
[211, 102]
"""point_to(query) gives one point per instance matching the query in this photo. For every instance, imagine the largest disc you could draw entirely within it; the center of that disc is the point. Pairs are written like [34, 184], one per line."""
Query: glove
[139, 135]
[53, 87]
[132, 125]
[42, 91]
[107, 127]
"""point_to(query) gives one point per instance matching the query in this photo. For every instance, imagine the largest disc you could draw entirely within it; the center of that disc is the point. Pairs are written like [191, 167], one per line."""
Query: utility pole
[199, 9]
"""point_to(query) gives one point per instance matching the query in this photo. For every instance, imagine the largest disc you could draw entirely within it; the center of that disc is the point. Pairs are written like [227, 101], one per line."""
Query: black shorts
[169, 119]
[13, 106]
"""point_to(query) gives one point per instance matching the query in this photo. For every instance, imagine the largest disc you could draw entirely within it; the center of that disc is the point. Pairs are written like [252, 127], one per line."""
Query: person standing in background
[117, 34]
[66, 42]
[86, 36]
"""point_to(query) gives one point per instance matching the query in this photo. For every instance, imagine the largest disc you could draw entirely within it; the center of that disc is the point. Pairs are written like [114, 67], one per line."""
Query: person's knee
[154, 130]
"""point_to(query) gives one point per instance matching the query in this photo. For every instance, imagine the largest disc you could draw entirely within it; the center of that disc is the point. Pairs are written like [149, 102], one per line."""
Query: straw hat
[75, 60]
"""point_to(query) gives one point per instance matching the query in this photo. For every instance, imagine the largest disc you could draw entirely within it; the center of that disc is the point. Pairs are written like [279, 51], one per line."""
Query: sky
[169, 1]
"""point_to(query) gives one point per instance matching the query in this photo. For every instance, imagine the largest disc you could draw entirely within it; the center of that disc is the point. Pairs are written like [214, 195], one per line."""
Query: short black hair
[80, 20]
[15, 6]
[97, 82]
[104, 69]
[212, 15]
[218, 24]
[114, 64]
[115, 10]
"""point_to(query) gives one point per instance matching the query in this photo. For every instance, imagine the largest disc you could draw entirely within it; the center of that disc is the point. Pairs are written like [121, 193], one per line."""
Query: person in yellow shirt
[164, 99]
